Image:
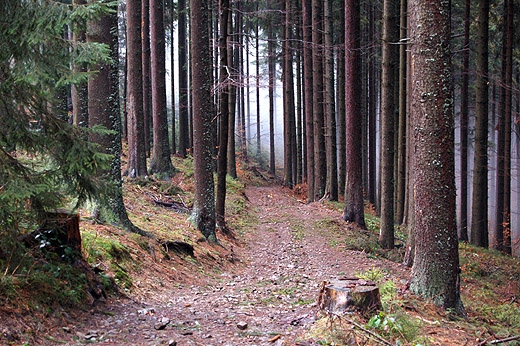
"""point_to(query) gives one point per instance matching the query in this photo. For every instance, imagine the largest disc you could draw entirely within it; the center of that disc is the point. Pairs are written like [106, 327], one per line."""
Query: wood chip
[274, 338]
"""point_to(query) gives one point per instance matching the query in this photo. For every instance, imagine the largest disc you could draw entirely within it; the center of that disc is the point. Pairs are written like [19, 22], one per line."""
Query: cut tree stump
[347, 295]
[57, 230]
[59, 234]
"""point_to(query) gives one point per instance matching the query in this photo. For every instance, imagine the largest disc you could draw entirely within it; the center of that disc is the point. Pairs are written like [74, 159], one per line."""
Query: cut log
[349, 295]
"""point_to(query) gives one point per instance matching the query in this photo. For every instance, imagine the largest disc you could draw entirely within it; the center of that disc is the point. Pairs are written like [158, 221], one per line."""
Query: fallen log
[349, 295]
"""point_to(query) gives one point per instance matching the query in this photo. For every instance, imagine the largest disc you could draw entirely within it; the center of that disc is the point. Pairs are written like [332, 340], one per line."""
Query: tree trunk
[147, 74]
[371, 114]
[136, 140]
[300, 126]
[258, 118]
[508, 113]
[172, 77]
[330, 107]
[161, 160]
[308, 95]
[271, 52]
[354, 207]
[341, 105]
[479, 209]
[223, 115]
[435, 272]
[289, 111]
[103, 109]
[390, 54]
[233, 100]
[401, 137]
[203, 213]
[320, 154]
[79, 94]
[464, 116]
[184, 129]
[502, 241]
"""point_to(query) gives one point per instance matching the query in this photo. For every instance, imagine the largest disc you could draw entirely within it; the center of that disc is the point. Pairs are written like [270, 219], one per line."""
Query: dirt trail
[269, 299]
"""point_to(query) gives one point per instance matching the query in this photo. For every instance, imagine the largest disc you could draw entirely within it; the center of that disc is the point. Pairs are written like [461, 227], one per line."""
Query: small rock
[66, 329]
[242, 325]
[162, 323]
[90, 336]
[172, 342]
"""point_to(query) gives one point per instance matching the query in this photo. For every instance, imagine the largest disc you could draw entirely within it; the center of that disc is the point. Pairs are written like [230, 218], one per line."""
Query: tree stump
[59, 234]
[58, 231]
[349, 295]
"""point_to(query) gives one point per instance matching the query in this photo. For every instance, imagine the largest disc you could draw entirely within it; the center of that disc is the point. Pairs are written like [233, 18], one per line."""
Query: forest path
[269, 298]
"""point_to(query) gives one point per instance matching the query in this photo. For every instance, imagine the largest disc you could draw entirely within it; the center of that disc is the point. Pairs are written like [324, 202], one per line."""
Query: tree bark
[203, 213]
[161, 160]
[502, 241]
[479, 209]
[435, 272]
[79, 94]
[320, 155]
[349, 295]
[271, 58]
[258, 118]
[390, 53]
[330, 106]
[464, 117]
[173, 148]
[341, 105]
[233, 60]
[184, 129]
[223, 115]
[147, 74]
[289, 111]
[103, 109]
[354, 206]
[401, 137]
[136, 140]
[308, 95]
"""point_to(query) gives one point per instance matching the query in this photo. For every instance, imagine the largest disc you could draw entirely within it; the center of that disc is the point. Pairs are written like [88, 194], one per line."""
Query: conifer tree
[45, 162]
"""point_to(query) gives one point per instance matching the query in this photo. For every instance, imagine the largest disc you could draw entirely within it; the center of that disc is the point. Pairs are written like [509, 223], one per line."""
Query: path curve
[268, 299]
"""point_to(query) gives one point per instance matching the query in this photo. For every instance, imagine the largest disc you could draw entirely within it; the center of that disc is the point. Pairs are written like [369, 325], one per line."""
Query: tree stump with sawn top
[348, 295]
[59, 234]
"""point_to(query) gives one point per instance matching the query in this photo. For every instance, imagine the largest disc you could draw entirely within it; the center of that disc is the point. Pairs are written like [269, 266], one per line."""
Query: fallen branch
[357, 325]
[500, 341]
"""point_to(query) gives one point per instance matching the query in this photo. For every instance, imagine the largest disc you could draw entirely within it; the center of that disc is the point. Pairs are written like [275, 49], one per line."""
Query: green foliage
[45, 162]
[505, 314]
[113, 255]
[47, 282]
[372, 274]
[398, 326]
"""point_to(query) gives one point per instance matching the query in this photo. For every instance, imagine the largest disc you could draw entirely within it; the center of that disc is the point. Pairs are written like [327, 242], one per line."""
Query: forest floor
[259, 287]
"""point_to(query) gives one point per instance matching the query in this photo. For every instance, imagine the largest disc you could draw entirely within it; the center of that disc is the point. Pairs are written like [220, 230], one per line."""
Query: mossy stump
[349, 295]
[59, 234]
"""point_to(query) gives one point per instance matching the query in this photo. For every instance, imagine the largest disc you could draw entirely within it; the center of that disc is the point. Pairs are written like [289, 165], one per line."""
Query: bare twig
[499, 341]
[378, 337]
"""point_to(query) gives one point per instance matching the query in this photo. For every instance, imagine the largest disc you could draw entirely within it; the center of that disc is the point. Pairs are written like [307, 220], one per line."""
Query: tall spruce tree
[45, 162]
[204, 205]
[435, 272]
